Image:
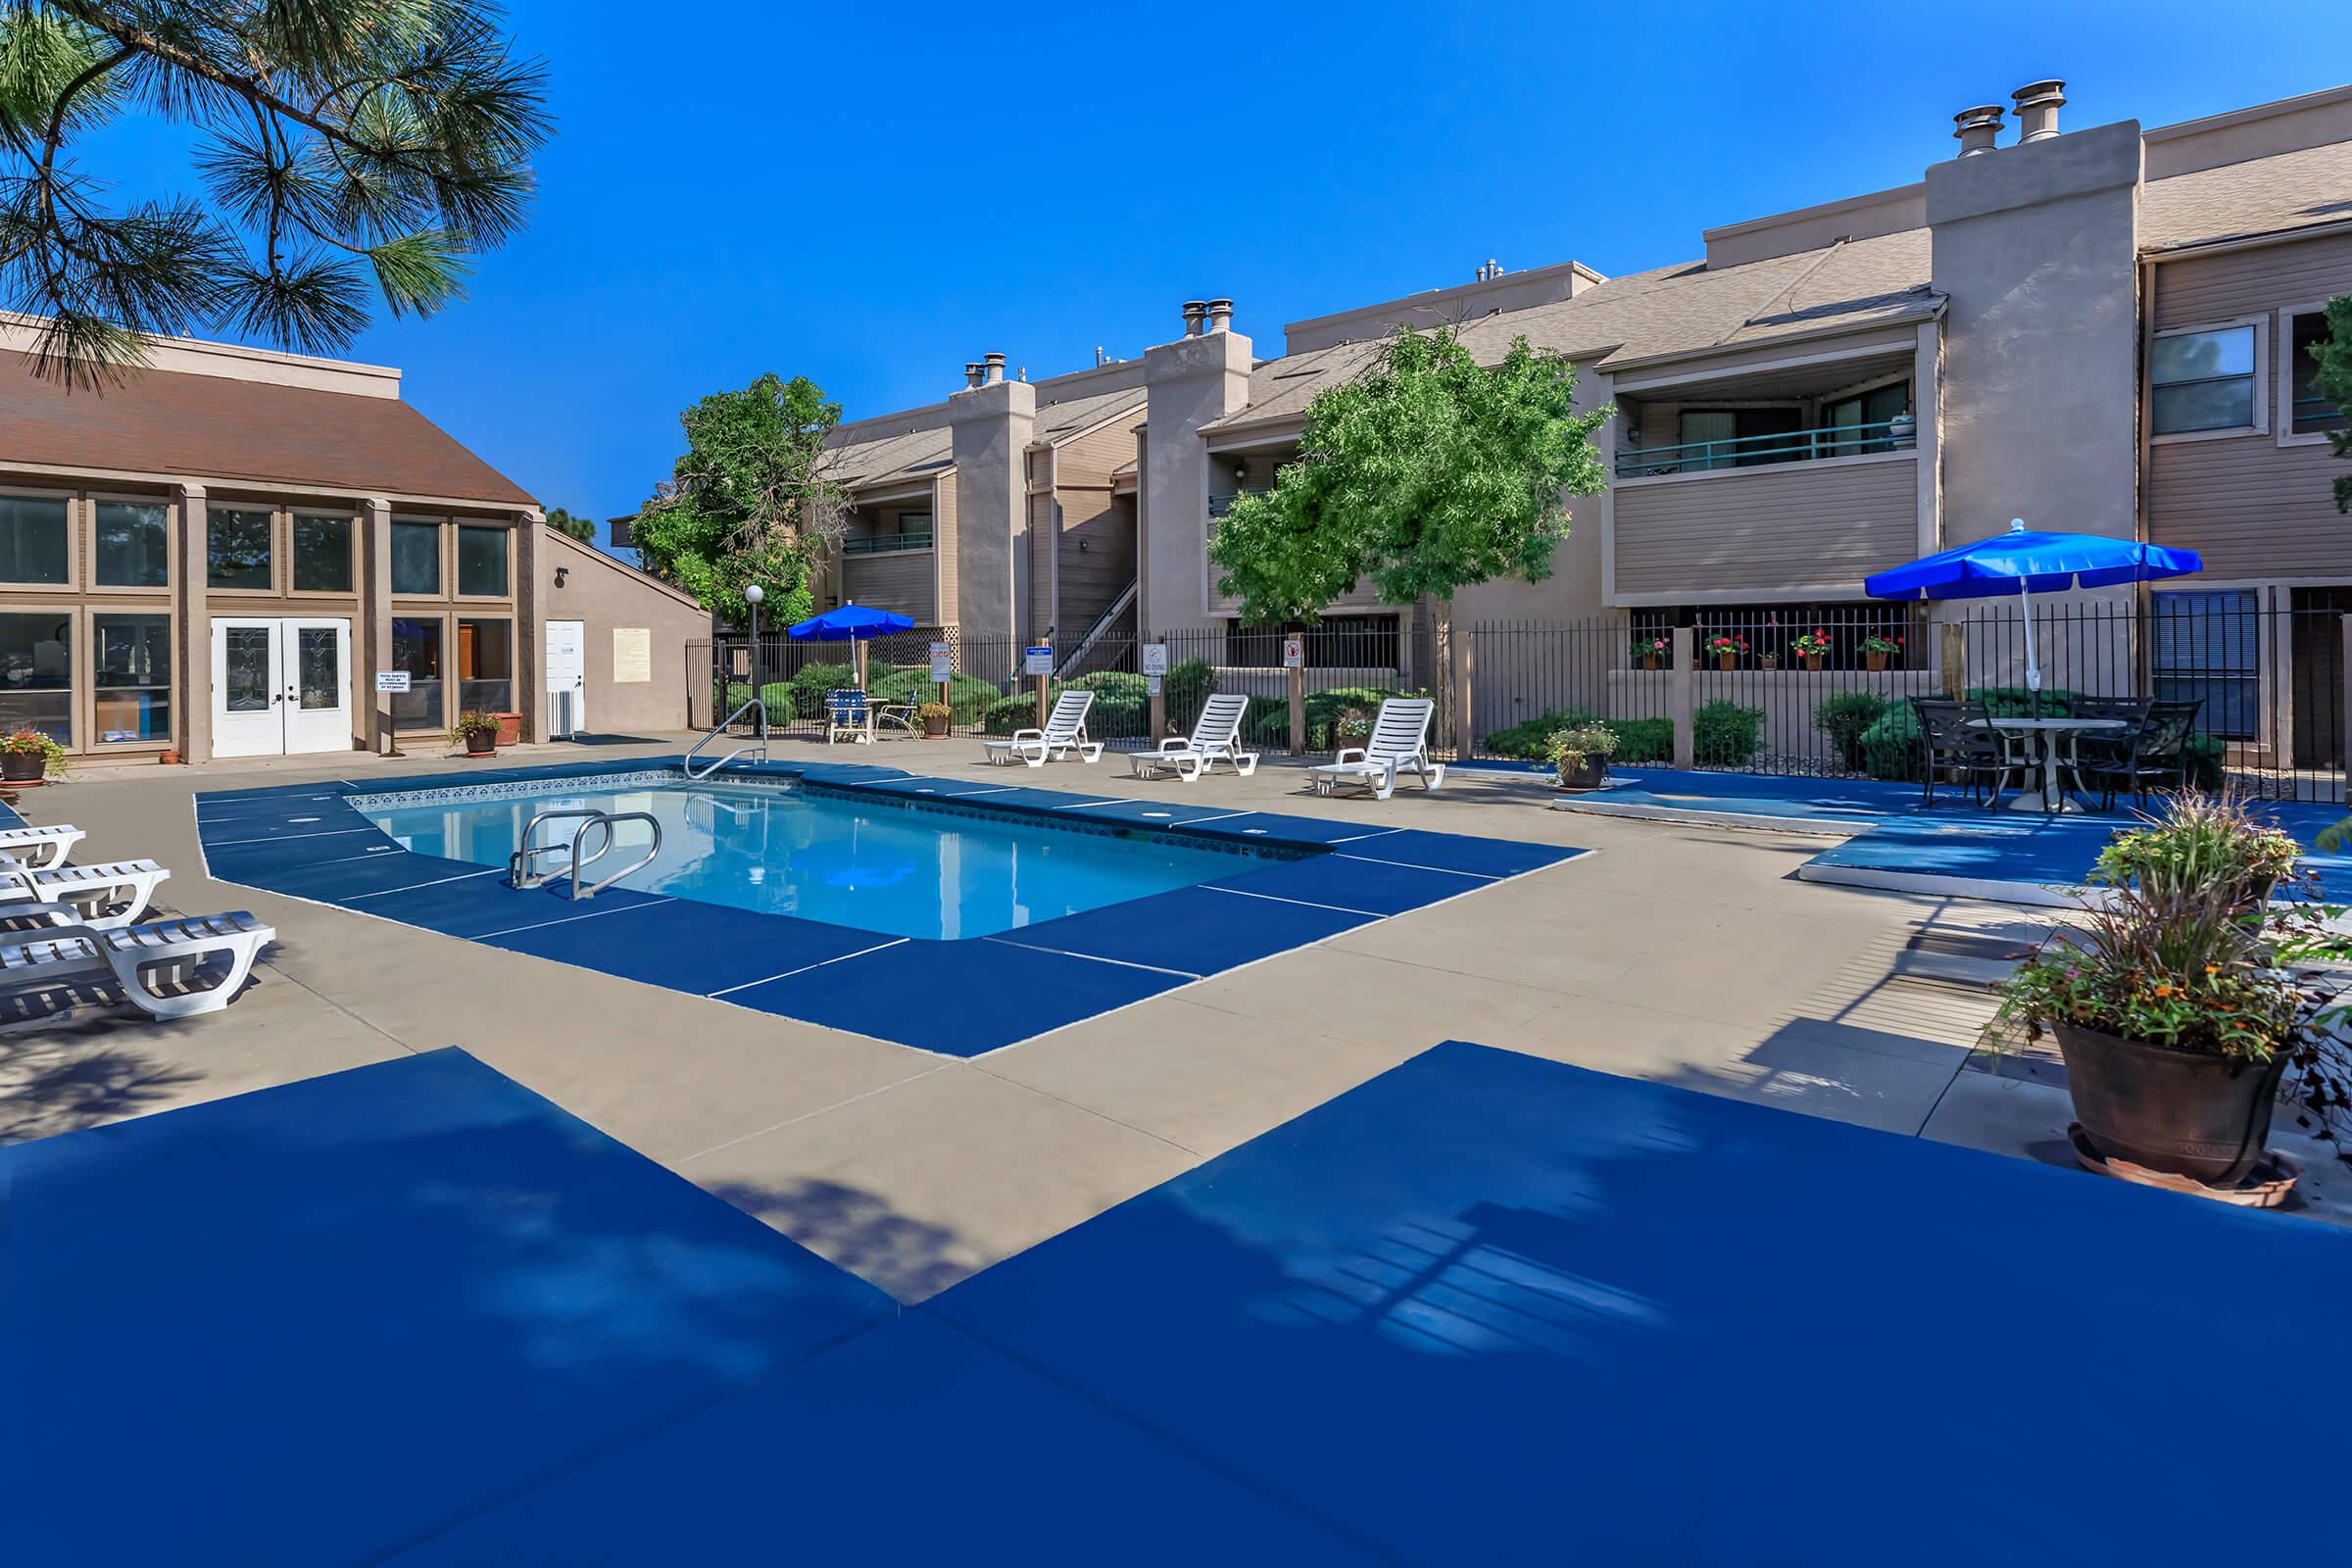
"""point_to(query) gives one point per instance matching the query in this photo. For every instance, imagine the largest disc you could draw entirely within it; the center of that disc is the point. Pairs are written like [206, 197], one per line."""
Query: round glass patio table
[2043, 736]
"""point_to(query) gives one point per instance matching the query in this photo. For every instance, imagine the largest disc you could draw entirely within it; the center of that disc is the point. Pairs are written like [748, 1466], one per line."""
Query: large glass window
[321, 554]
[417, 558]
[486, 665]
[133, 544]
[482, 561]
[2310, 414]
[2202, 381]
[34, 531]
[237, 550]
[416, 648]
[133, 677]
[37, 673]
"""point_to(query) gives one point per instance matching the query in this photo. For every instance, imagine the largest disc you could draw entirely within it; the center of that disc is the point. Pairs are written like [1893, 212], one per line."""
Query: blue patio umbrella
[851, 622]
[2029, 560]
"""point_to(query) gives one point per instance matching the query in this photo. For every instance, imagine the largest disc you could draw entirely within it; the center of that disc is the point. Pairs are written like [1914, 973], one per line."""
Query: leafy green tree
[749, 503]
[1426, 474]
[571, 522]
[2335, 383]
[339, 144]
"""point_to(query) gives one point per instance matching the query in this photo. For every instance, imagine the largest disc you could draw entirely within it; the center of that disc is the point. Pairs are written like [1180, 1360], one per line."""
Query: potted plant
[28, 755]
[1726, 651]
[478, 732]
[1771, 660]
[1810, 646]
[1651, 651]
[1877, 651]
[1350, 726]
[1581, 755]
[510, 729]
[2177, 1005]
[935, 716]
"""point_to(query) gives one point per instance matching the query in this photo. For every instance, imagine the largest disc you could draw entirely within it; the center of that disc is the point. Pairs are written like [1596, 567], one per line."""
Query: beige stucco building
[216, 559]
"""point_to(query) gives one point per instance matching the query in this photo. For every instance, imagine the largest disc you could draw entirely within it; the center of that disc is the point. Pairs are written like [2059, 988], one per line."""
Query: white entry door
[566, 677]
[280, 685]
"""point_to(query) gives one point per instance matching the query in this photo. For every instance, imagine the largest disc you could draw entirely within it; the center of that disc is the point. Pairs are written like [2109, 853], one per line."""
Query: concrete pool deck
[1680, 953]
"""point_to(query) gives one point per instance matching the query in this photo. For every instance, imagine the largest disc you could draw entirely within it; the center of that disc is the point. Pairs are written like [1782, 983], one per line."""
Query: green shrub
[1527, 740]
[2205, 762]
[1845, 715]
[1891, 746]
[1188, 687]
[1008, 713]
[969, 697]
[1643, 740]
[777, 692]
[808, 688]
[1725, 734]
[1268, 725]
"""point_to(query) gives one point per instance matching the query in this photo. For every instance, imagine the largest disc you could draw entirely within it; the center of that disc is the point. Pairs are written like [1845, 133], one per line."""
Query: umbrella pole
[2025, 608]
[861, 647]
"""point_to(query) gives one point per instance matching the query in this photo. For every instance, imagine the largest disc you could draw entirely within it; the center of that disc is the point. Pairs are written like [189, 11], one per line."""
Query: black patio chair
[2105, 753]
[1954, 745]
[2158, 755]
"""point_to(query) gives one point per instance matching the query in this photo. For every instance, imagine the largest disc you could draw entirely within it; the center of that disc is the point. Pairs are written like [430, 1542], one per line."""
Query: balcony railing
[1782, 446]
[1218, 505]
[877, 544]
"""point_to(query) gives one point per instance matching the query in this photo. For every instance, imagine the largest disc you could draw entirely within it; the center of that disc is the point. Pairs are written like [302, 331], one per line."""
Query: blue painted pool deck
[1483, 1309]
[1952, 847]
[974, 995]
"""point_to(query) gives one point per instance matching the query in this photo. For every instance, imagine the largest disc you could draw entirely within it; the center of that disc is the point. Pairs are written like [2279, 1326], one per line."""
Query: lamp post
[752, 597]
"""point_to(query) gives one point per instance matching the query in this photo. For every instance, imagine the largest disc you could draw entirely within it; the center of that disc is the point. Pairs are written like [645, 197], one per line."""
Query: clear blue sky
[870, 195]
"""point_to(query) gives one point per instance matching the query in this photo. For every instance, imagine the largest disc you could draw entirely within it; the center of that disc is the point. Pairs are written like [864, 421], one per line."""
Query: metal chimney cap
[1979, 128]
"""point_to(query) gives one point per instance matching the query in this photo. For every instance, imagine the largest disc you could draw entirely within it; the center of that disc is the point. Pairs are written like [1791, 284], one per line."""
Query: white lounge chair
[1064, 733]
[37, 847]
[140, 957]
[1397, 744]
[1218, 737]
[108, 896]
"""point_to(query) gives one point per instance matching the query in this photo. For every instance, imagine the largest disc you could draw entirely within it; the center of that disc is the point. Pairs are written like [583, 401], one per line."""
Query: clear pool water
[903, 870]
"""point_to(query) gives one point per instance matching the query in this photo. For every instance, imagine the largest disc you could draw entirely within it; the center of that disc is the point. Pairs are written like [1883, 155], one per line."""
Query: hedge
[1268, 727]
[1122, 702]
[969, 697]
[1846, 716]
[1724, 734]
[1638, 740]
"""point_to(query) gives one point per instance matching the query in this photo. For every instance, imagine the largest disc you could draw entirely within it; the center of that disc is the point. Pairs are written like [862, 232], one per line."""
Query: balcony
[883, 544]
[1899, 435]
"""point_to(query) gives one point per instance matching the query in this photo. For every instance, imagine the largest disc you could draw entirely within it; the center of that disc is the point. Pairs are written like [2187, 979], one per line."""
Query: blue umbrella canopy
[2028, 561]
[851, 624]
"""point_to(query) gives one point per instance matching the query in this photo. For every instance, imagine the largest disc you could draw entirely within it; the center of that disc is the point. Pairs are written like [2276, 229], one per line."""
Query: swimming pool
[899, 868]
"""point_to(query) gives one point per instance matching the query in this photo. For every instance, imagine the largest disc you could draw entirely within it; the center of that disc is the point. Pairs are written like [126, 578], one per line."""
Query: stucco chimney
[1220, 315]
[971, 374]
[1980, 129]
[1195, 311]
[2038, 110]
[992, 369]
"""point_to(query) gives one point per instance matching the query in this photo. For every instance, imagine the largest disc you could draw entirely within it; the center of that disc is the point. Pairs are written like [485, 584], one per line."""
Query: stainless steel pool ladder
[521, 867]
[758, 743]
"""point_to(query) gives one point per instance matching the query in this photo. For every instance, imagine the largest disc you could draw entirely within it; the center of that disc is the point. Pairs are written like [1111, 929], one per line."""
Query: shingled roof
[2260, 196]
[241, 432]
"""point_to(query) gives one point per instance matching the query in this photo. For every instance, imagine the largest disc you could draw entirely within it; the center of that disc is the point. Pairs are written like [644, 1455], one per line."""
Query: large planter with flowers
[1581, 755]
[28, 755]
[2176, 1001]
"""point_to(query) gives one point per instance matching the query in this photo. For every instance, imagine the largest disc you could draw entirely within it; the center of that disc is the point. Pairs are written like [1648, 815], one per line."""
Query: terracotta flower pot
[510, 729]
[1877, 661]
[22, 767]
[1812, 662]
[1727, 660]
[1769, 660]
[1649, 661]
[2186, 1112]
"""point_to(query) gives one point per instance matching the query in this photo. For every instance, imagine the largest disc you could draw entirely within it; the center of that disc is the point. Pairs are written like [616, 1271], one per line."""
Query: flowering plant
[1565, 748]
[1880, 645]
[1810, 644]
[24, 742]
[1727, 644]
[1651, 647]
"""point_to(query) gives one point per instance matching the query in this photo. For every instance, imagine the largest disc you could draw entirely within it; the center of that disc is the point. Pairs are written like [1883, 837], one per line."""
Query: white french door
[280, 685]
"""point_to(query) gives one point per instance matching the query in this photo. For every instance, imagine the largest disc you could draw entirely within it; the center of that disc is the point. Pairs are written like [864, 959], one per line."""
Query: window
[1870, 410]
[133, 666]
[2203, 382]
[2308, 412]
[2207, 647]
[482, 561]
[323, 554]
[416, 648]
[133, 544]
[486, 666]
[237, 550]
[417, 558]
[36, 675]
[1746, 432]
[34, 533]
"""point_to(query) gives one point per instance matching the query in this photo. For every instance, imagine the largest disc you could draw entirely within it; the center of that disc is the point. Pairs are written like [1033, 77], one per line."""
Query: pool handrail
[605, 820]
[758, 743]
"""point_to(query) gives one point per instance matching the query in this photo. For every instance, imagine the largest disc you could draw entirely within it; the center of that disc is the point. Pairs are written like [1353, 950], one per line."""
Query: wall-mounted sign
[1037, 660]
[632, 654]
[391, 680]
[943, 662]
[1152, 684]
[1294, 653]
[1155, 659]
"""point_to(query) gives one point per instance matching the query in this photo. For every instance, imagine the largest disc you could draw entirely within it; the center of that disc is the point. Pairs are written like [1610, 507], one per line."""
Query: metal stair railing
[758, 743]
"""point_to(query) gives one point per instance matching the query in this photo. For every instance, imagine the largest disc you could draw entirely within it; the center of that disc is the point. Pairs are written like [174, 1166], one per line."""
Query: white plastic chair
[1397, 744]
[1064, 733]
[108, 896]
[1215, 738]
[140, 957]
[42, 846]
